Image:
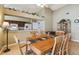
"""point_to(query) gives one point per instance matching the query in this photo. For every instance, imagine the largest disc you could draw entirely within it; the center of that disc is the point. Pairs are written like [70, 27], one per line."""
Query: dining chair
[54, 46]
[65, 48]
[58, 45]
[21, 44]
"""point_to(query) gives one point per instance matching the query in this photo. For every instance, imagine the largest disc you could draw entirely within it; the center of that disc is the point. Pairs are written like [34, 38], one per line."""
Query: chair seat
[28, 42]
[22, 45]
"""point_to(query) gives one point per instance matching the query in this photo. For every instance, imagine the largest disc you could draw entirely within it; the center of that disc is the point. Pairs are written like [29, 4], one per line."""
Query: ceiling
[34, 7]
[54, 7]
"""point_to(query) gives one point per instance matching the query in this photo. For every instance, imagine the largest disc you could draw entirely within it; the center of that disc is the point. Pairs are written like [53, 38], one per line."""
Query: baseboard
[2, 49]
[76, 40]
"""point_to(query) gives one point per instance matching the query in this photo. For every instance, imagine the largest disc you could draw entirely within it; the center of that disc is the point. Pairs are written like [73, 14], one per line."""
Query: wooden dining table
[42, 47]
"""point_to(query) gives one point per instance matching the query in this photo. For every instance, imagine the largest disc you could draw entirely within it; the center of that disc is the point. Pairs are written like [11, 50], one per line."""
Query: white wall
[48, 18]
[74, 14]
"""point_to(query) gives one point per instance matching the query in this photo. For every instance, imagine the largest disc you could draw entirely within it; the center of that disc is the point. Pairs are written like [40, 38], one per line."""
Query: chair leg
[20, 48]
[67, 52]
[21, 51]
[60, 52]
[63, 52]
[26, 49]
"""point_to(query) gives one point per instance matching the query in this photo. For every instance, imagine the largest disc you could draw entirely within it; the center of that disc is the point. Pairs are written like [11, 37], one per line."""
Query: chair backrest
[65, 43]
[65, 40]
[54, 46]
[58, 44]
[18, 42]
[60, 33]
[16, 39]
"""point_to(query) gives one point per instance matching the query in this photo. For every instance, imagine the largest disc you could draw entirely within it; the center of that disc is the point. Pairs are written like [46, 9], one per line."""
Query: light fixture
[41, 5]
[5, 24]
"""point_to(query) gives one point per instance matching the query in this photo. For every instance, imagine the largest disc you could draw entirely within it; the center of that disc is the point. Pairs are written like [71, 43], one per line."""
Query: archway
[64, 25]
